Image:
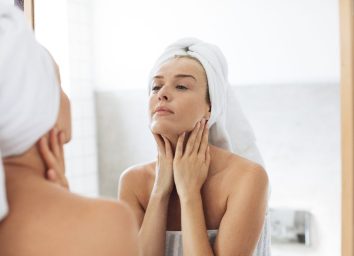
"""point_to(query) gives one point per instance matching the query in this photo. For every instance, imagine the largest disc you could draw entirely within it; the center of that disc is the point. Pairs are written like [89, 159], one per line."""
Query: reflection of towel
[29, 90]
[229, 128]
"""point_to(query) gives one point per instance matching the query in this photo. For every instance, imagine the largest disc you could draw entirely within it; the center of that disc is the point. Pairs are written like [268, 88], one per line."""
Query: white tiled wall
[64, 27]
[81, 152]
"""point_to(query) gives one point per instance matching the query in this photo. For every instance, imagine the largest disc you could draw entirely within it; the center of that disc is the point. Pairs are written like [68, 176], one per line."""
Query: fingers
[62, 142]
[46, 153]
[192, 138]
[204, 141]
[207, 156]
[168, 147]
[52, 175]
[54, 142]
[179, 146]
[198, 140]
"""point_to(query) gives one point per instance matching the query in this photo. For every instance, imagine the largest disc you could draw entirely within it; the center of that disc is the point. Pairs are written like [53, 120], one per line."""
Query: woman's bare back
[47, 220]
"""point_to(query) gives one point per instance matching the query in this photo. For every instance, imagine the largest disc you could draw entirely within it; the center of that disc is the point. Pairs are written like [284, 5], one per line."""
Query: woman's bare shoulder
[238, 169]
[67, 224]
[247, 174]
[140, 172]
[104, 226]
[137, 180]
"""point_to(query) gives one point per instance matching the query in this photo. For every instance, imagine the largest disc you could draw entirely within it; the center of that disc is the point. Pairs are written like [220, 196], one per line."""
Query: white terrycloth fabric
[229, 128]
[29, 89]
[174, 246]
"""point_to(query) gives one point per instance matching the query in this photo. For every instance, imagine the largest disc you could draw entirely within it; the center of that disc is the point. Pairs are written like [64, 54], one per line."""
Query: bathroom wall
[64, 28]
[265, 42]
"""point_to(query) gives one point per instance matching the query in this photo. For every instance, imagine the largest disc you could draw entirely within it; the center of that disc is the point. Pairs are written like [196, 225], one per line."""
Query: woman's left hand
[190, 168]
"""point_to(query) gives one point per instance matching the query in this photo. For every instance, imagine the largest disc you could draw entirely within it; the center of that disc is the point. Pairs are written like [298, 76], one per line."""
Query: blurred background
[284, 67]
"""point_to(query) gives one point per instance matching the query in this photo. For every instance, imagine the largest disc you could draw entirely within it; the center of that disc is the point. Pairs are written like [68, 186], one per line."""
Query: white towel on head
[29, 90]
[229, 128]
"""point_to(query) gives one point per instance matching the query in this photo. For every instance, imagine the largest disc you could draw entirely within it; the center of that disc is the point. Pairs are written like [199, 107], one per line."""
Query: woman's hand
[190, 168]
[52, 153]
[163, 171]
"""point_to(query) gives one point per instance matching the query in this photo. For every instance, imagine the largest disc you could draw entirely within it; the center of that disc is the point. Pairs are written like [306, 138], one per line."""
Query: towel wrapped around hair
[29, 90]
[229, 128]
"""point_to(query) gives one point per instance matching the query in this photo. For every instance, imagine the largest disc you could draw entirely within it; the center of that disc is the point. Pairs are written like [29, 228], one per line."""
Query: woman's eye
[156, 88]
[181, 87]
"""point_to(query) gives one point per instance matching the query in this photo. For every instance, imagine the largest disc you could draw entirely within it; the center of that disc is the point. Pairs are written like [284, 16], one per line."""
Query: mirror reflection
[254, 85]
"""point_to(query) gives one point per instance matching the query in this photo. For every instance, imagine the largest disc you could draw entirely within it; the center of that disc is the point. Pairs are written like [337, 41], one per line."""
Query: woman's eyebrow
[176, 76]
[185, 75]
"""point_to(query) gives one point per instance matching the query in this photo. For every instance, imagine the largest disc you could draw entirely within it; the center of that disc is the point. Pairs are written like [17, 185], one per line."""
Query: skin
[46, 219]
[193, 186]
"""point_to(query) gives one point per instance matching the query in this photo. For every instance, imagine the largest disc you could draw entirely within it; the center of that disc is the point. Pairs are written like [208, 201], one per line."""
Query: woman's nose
[164, 94]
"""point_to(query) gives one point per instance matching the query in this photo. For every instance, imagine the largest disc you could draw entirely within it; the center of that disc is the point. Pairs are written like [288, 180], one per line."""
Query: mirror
[284, 65]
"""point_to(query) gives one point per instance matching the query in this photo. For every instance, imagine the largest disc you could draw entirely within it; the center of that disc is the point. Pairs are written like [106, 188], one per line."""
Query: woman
[36, 216]
[198, 198]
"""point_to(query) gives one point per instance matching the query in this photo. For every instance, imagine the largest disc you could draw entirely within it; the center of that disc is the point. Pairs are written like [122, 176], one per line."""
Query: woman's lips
[163, 113]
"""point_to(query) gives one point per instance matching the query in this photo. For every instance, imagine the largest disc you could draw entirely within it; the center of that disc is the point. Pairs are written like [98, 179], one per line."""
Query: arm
[195, 236]
[154, 219]
[151, 221]
[243, 220]
[190, 171]
[152, 233]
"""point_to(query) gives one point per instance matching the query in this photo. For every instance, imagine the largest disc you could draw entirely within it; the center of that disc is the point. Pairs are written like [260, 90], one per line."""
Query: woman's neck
[29, 162]
[215, 153]
[173, 139]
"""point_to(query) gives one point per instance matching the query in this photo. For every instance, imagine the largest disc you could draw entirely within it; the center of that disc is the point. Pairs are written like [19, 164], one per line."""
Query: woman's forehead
[181, 65]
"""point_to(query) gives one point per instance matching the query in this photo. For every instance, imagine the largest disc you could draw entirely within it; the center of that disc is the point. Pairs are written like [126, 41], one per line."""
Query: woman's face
[178, 97]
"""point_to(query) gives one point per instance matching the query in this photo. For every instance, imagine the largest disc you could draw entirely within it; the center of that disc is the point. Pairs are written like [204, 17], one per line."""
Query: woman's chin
[164, 129]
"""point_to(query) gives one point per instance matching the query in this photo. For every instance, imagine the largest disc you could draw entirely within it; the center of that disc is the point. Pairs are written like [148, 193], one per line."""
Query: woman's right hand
[52, 153]
[163, 171]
